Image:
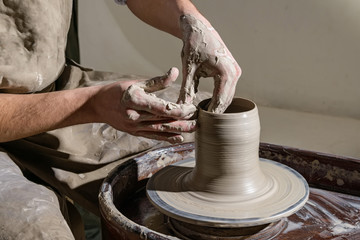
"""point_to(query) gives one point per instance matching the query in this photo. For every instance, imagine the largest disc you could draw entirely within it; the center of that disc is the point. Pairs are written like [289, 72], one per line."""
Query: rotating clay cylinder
[226, 185]
[227, 152]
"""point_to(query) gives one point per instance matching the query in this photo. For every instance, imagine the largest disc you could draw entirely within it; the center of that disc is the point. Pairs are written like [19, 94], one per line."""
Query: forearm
[164, 14]
[23, 115]
[125, 105]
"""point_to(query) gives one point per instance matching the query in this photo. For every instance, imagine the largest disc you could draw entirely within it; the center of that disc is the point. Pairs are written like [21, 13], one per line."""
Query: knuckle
[131, 94]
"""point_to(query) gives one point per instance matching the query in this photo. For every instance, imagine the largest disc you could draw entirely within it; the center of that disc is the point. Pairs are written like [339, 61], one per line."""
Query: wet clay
[32, 43]
[204, 54]
[228, 186]
[141, 95]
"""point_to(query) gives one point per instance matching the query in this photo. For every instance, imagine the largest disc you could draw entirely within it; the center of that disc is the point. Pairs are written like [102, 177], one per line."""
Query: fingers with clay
[153, 117]
[204, 54]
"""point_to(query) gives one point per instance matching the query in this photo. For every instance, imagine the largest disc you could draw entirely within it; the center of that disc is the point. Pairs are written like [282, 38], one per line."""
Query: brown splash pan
[332, 212]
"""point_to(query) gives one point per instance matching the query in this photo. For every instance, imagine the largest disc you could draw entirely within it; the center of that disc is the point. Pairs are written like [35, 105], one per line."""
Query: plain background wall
[298, 55]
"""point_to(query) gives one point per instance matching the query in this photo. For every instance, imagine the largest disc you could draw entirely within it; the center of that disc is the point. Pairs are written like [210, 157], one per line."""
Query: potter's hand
[141, 113]
[204, 54]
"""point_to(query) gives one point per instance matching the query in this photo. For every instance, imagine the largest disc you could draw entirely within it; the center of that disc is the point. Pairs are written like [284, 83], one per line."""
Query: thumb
[160, 82]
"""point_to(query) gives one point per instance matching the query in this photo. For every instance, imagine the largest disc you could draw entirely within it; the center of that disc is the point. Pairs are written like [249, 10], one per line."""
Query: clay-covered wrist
[191, 22]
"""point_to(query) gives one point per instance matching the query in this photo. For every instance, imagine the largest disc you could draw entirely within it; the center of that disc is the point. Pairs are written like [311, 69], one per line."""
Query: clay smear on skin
[206, 47]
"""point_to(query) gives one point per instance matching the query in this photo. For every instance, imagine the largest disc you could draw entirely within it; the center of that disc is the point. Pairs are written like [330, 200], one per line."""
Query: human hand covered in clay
[204, 54]
[141, 113]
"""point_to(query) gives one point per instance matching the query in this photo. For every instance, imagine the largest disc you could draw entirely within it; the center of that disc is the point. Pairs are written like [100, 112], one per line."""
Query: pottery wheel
[286, 191]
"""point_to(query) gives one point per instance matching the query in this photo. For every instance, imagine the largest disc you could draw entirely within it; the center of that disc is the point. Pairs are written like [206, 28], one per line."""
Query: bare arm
[164, 14]
[125, 105]
[24, 115]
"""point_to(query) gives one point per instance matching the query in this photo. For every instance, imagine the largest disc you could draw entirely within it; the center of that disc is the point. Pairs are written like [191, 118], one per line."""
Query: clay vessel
[226, 184]
[227, 151]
